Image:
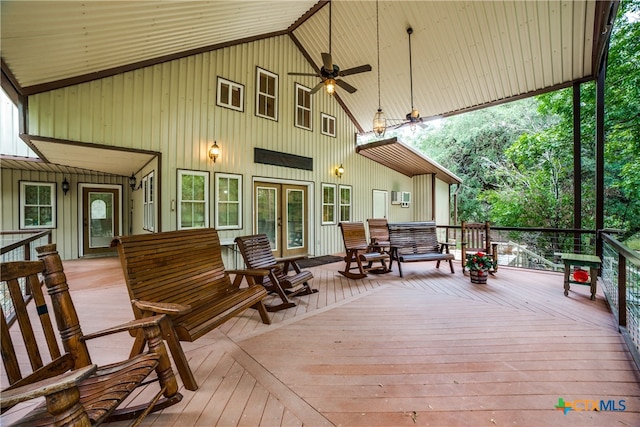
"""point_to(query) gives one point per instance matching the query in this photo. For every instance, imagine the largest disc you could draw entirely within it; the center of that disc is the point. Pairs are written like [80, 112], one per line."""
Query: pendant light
[379, 121]
[414, 115]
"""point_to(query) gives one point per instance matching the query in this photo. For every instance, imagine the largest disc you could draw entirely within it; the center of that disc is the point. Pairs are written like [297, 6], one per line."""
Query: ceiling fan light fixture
[415, 114]
[330, 86]
[379, 123]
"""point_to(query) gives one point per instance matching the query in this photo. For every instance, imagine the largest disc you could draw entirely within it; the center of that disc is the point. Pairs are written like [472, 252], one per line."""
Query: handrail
[622, 249]
[23, 242]
[544, 230]
[626, 314]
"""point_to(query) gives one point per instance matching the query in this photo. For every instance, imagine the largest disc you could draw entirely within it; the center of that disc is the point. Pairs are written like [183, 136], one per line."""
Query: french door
[281, 212]
[100, 219]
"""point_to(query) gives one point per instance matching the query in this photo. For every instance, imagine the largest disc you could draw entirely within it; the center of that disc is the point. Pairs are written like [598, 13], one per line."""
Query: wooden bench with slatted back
[181, 274]
[417, 242]
[285, 278]
[358, 252]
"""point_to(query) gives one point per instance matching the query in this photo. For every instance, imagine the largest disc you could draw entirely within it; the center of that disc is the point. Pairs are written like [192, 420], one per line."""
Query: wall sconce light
[65, 186]
[339, 171]
[214, 151]
[132, 182]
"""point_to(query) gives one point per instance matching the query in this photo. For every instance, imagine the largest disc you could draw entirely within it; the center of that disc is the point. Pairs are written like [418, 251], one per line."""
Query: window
[228, 201]
[230, 94]
[345, 202]
[193, 199]
[328, 125]
[328, 204]
[266, 94]
[303, 107]
[148, 222]
[37, 204]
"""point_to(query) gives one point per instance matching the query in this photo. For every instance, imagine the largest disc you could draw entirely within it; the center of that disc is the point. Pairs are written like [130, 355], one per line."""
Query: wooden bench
[181, 274]
[257, 254]
[417, 242]
[358, 251]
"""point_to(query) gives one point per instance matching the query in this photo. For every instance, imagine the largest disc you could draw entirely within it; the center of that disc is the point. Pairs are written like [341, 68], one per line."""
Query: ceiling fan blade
[304, 74]
[317, 87]
[355, 70]
[346, 86]
[327, 62]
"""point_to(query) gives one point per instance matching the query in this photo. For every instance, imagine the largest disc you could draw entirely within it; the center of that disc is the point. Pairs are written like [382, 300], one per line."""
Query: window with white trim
[37, 204]
[193, 199]
[345, 202]
[230, 94]
[266, 94]
[328, 204]
[148, 184]
[228, 201]
[303, 107]
[328, 125]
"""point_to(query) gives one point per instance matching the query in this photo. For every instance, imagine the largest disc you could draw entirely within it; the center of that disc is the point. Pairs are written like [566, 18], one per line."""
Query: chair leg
[264, 314]
[275, 287]
[349, 258]
[451, 266]
[179, 358]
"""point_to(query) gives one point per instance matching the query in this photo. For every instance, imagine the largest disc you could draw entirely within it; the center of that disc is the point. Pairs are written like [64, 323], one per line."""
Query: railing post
[622, 290]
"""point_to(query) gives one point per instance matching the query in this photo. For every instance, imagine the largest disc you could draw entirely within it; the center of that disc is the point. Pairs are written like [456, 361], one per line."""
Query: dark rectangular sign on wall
[276, 158]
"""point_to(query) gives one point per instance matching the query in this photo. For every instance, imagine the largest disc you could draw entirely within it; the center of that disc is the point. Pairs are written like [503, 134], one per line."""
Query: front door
[281, 214]
[100, 219]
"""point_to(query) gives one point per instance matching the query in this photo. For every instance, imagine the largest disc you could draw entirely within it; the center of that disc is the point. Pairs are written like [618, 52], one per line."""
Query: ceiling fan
[329, 72]
[413, 118]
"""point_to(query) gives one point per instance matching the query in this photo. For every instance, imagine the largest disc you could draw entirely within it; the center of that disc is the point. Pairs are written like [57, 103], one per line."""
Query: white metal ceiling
[465, 54]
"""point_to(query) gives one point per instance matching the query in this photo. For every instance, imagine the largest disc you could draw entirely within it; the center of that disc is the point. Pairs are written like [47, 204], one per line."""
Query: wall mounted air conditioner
[400, 197]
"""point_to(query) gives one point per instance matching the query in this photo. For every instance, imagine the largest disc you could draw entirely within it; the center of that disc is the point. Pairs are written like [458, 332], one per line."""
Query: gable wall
[171, 108]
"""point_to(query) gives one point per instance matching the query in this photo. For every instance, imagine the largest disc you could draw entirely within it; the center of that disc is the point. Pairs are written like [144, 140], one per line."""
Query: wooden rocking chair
[77, 392]
[476, 238]
[359, 253]
[257, 255]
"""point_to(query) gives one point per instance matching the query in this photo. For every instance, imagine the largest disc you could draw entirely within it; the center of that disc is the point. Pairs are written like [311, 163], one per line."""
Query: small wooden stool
[580, 260]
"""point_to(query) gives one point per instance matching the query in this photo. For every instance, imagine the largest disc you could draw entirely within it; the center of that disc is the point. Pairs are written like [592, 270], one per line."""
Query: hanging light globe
[379, 123]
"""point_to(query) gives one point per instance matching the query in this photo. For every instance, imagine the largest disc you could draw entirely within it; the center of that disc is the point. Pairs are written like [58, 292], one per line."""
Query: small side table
[580, 260]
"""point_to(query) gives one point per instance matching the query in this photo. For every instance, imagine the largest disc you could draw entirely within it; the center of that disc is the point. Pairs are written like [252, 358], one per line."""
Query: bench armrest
[45, 387]
[134, 324]
[292, 258]
[161, 307]
[255, 272]
[444, 247]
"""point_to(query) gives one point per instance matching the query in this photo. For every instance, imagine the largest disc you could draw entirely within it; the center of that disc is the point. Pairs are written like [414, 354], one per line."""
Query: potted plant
[479, 265]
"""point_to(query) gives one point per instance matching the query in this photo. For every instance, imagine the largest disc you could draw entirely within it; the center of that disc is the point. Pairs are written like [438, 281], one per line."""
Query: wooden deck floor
[430, 349]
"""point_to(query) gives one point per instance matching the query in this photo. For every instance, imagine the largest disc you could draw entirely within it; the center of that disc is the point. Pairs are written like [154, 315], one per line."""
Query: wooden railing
[17, 246]
[533, 248]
